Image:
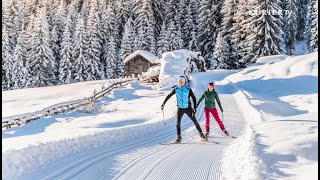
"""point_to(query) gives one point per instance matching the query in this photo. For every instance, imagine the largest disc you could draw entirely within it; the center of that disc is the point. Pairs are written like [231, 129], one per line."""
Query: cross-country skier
[183, 93]
[210, 107]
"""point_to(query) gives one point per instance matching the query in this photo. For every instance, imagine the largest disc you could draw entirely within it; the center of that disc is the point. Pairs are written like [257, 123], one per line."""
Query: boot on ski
[203, 137]
[226, 132]
[178, 140]
[206, 136]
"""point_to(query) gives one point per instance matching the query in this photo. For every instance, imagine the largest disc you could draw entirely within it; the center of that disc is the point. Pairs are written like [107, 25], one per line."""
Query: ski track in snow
[147, 159]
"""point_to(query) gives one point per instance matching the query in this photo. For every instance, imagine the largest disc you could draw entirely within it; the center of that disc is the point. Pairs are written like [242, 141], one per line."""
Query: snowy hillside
[270, 106]
[33, 99]
[282, 100]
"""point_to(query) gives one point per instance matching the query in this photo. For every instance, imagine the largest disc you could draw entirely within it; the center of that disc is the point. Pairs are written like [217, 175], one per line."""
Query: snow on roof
[147, 55]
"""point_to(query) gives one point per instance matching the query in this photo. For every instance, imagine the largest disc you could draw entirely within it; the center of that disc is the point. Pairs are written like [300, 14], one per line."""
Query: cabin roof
[145, 54]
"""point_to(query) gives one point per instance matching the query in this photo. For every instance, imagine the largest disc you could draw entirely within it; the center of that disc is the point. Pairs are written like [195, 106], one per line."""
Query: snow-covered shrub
[178, 63]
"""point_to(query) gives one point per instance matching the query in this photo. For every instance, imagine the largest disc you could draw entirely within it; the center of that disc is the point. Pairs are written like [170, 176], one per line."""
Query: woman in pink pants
[210, 107]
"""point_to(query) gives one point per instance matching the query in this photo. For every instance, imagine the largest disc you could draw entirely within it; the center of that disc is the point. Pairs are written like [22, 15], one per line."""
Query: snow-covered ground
[271, 107]
[282, 107]
[29, 100]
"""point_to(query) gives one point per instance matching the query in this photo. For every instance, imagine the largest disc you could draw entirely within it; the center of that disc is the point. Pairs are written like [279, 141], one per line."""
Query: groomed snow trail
[192, 159]
[145, 158]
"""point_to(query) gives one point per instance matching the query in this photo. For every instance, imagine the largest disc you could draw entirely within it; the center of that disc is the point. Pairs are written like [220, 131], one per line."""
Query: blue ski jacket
[183, 96]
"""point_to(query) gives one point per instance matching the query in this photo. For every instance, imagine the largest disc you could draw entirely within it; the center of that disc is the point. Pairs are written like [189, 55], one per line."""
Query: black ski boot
[178, 140]
[207, 135]
[203, 137]
[225, 132]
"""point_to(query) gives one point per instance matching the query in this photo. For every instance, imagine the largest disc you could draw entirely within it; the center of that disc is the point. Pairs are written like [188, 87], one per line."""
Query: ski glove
[194, 111]
[162, 106]
[221, 110]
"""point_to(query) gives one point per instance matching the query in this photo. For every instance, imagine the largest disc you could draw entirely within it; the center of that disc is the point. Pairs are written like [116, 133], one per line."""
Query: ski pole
[163, 115]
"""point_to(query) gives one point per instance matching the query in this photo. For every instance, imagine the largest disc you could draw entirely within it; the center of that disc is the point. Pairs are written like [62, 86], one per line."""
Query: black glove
[221, 110]
[162, 106]
[194, 111]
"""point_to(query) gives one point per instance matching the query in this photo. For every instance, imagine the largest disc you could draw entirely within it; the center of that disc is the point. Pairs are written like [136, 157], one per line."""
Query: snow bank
[18, 162]
[292, 66]
[278, 101]
[178, 63]
[241, 159]
[270, 59]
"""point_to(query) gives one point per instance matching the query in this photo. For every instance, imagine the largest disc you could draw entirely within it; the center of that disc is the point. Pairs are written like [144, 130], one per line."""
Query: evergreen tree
[19, 70]
[111, 59]
[54, 39]
[290, 26]
[228, 13]
[80, 43]
[208, 22]
[66, 65]
[94, 50]
[189, 29]
[265, 39]
[301, 18]
[145, 24]
[7, 60]
[219, 61]
[183, 18]
[313, 27]
[241, 29]
[122, 14]
[42, 60]
[163, 41]
[127, 40]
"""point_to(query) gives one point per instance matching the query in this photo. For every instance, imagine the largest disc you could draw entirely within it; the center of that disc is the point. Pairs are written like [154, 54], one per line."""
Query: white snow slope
[29, 100]
[270, 106]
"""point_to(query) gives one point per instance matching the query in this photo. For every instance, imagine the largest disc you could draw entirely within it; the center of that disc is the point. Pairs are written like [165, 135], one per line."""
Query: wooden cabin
[139, 61]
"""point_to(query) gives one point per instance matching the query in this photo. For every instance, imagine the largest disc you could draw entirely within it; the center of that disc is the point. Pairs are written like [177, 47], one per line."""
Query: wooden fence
[60, 108]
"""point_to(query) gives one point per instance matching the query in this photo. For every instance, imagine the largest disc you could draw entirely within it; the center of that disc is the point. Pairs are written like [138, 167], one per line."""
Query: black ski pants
[189, 112]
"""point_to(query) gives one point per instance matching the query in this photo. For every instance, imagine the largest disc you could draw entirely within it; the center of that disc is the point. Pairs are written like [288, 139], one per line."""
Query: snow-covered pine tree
[66, 65]
[208, 23]
[109, 29]
[290, 28]
[127, 40]
[189, 27]
[122, 14]
[54, 39]
[42, 60]
[94, 50]
[241, 28]
[163, 41]
[173, 36]
[183, 17]
[7, 60]
[8, 20]
[177, 40]
[59, 21]
[313, 27]
[111, 58]
[228, 13]
[73, 10]
[145, 24]
[80, 43]
[265, 39]
[172, 12]
[220, 59]
[19, 71]
[158, 13]
[28, 39]
[302, 18]
[85, 8]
